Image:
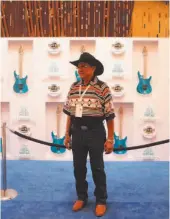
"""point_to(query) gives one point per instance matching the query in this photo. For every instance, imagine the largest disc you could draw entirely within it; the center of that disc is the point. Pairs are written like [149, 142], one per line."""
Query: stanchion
[6, 194]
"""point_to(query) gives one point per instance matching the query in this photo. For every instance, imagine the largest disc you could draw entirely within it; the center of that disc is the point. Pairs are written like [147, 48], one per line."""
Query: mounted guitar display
[119, 142]
[144, 86]
[54, 90]
[20, 85]
[56, 136]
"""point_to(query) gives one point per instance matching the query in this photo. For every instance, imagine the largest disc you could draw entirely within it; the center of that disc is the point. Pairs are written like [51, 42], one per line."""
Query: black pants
[92, 141]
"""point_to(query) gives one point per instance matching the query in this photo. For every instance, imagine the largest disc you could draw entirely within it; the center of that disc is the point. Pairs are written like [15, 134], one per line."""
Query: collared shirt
[97, 101]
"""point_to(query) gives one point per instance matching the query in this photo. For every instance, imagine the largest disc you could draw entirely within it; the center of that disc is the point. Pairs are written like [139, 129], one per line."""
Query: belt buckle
[84, 128]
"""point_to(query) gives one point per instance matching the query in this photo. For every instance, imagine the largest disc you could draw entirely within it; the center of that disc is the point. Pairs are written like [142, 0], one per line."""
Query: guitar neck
[145, 69]
[120, 126]
[82, 49]
[144, 62]
[120, 122]
[20, 62]
[58, 124]
[58, 113]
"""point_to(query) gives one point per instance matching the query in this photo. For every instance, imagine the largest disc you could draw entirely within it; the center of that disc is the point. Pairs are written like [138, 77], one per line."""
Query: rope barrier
[115, 149]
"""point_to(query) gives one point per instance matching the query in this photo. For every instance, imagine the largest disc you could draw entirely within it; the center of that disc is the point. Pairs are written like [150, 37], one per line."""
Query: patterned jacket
[97, 101]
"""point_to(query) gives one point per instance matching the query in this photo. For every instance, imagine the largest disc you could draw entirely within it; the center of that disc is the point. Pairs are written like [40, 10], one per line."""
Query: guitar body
[59, 141]
[144, 86]
[20, 85]
[120, 143]
[77, 76]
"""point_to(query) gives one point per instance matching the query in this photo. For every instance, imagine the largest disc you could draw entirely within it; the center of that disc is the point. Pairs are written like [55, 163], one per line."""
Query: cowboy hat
[92, 61]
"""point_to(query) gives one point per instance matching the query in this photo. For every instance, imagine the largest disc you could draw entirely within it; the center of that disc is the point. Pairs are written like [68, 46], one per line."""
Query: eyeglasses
[83, 66]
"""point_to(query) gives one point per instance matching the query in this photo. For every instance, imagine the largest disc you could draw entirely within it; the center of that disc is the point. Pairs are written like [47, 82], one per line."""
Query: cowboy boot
[78, 205]
[100, 210]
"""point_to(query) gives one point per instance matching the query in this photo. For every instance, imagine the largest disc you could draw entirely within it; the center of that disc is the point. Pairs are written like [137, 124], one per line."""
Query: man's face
[85, 70]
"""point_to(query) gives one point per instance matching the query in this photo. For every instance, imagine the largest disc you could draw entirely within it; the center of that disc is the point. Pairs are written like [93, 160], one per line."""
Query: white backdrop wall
[42, 108]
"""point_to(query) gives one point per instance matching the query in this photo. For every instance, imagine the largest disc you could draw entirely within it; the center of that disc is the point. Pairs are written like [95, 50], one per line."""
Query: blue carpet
[136, 190]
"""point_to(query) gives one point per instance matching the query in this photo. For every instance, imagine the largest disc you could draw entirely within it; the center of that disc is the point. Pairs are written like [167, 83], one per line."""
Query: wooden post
[6, 194]
[3, 166]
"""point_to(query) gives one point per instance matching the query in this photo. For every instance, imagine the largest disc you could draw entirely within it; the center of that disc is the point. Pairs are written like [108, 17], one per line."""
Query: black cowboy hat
[92, 61]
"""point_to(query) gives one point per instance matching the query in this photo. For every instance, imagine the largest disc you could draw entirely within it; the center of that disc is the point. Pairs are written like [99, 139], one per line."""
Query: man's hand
[108, 147]
[67, 141]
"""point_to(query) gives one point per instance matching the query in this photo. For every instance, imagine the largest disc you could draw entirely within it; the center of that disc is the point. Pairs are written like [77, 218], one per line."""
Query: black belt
[86, 127]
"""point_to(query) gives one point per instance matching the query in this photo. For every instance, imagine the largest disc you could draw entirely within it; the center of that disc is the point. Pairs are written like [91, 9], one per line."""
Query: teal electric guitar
[20, 85]
[120, 142]
[55, 136]
[144, 86]
[77, 76]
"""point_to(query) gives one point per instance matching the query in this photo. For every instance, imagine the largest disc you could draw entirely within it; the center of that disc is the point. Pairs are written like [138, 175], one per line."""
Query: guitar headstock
[121, 110]
[145, 51]
[21, 50]
[82, 49]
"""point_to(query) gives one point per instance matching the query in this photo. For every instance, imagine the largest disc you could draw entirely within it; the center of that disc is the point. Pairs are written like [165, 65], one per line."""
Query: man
[89, 103]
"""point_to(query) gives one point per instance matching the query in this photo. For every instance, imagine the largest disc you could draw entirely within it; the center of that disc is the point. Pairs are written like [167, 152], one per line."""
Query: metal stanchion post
[6, 194]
